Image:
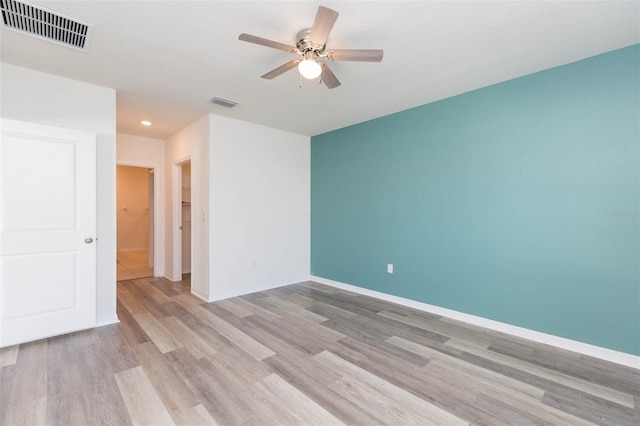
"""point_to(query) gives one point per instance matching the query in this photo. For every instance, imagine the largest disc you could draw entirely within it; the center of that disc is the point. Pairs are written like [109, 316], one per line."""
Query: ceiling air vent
[223, 102]
[45, 24]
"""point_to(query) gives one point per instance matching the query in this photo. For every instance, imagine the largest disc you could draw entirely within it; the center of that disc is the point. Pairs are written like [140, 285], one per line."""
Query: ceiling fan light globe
[309, 69]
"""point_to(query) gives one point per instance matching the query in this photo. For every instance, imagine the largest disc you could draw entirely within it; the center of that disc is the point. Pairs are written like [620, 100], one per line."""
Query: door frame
[158, 252]
[176, 205]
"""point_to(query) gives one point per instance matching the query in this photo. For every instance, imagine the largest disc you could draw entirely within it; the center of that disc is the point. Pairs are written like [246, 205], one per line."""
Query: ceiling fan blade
[322, 25]
[328, 77]
[281, 69]
[266, 42]
[360, 55]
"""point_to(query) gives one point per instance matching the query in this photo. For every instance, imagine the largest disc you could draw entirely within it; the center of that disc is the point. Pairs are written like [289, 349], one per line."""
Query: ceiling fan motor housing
[304, 43]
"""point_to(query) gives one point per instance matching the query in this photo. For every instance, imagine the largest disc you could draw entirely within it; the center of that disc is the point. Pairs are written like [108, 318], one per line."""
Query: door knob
[88, 240]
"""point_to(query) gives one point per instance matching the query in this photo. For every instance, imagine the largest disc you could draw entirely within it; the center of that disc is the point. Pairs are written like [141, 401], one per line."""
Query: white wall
[29, 95]
[254, 180]
[260, 207]
[190, 143]
[139, 151]
[150, 153]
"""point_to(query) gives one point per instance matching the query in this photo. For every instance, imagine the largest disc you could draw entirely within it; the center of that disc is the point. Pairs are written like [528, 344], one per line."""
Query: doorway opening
[135, 193]
[182, 257]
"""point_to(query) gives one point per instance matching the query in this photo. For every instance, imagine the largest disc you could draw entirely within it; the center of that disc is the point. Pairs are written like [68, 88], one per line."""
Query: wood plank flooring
[132, 265]
[304, 354]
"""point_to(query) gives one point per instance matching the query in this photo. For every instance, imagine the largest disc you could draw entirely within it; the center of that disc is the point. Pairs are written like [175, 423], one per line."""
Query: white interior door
[47, 231]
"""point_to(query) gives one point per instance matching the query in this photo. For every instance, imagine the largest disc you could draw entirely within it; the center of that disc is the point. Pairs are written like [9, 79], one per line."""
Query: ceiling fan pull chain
[300, 78]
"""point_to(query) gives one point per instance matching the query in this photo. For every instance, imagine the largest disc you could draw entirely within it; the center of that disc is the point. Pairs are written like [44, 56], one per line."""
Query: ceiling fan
[310, 45]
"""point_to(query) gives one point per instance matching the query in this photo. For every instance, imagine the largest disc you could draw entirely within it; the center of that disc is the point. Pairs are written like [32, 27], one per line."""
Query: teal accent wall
[517, 202]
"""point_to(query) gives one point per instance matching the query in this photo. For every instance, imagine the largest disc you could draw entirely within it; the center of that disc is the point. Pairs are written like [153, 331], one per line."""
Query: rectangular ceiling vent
[223, 102]
[45, 24]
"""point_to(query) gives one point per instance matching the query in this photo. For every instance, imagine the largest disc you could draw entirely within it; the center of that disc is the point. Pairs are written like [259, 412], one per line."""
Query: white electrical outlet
[390, 268]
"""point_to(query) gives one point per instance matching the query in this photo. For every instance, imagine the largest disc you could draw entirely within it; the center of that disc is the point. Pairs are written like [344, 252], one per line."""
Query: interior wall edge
[107, 320]
[200, 296]
[611, 355]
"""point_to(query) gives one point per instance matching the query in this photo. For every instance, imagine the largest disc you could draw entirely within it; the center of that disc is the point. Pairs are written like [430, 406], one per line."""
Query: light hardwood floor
[297, 355]
[133, 264]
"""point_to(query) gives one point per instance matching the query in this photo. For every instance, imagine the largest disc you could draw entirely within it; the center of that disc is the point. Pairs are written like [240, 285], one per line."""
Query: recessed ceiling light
[145, 123]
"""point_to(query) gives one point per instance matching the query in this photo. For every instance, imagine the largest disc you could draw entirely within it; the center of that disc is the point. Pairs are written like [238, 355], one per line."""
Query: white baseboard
[111, 319]
[199, 296]
[548, 339]
[172, 278]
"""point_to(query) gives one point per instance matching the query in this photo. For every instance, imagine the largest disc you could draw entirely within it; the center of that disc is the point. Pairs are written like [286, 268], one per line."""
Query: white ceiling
[166, 59]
